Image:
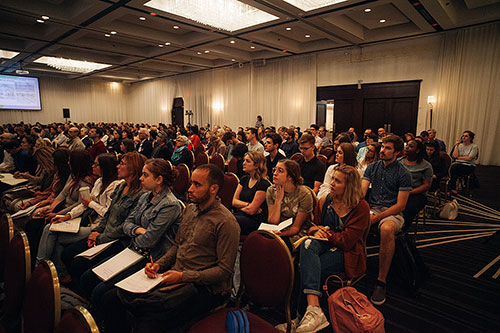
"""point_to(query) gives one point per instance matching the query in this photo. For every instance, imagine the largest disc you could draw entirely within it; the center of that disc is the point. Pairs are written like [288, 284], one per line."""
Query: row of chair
[33, 298]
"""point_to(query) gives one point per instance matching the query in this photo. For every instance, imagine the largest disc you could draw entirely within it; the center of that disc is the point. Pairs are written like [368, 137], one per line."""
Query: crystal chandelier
[307, 5]
[229, 15]
[70, 65]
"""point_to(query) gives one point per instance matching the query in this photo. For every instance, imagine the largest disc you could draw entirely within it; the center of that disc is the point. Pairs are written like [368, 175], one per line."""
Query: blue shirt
[386, 182]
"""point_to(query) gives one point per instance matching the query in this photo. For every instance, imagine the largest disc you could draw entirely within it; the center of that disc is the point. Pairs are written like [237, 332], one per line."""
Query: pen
[320, 228]
[152, 263]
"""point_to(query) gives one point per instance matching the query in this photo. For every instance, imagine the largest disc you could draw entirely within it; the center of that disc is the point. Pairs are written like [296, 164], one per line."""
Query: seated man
[311, 168]
[201, 261]
[273, 141]
[391, 186]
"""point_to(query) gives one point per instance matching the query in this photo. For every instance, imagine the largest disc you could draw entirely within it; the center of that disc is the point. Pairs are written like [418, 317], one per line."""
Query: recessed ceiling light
[176, 27]
[40, 21]
[207, 51]
[198, 52]
[71, 65]
[142, 18]
[167, 43]
[233, 59]
[382, 21]
[160, 45]
[307, 36]
[107, 35]
[252, 47]
[367, 10]
[45, 17]
[288, 29]
[232, 42]
[152, 14]
[113, 32]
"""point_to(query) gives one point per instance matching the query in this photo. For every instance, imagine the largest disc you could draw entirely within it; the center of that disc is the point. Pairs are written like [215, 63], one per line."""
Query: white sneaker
[282, 327]
[313, 321]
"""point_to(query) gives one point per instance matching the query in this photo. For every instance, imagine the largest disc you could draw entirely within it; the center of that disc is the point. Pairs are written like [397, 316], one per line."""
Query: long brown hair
[135, 163]
[349, 154]
[293, 171]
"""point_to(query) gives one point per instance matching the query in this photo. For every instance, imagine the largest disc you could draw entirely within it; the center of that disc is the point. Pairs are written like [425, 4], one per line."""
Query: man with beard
[391, 186]
[196, 270]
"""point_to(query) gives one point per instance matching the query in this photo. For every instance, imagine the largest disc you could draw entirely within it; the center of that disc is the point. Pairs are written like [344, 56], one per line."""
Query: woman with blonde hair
[250, 197]
[342, 218]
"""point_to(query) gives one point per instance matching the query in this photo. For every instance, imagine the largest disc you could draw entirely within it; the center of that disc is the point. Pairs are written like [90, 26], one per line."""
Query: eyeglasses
[305, 148]
[279, 170]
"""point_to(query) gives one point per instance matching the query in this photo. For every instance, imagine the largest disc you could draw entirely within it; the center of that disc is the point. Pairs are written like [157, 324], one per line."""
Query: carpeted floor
[452, 299]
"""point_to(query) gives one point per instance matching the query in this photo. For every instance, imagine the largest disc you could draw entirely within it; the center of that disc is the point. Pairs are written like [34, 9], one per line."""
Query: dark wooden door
[321, 113]
[392, 105]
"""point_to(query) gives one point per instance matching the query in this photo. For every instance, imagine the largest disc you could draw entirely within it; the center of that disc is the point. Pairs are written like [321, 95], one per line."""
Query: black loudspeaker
[178, 112]
[65, 113]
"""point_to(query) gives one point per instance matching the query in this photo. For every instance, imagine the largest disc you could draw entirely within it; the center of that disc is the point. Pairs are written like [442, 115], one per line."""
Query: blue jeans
[52, 244]
[318, 260]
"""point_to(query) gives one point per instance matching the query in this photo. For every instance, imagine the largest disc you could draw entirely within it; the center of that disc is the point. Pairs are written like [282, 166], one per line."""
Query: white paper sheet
[24, 212]
[139, 282]
[9, 179]
[95, 250]
[117, 264]
[273, 227]
[71, 226]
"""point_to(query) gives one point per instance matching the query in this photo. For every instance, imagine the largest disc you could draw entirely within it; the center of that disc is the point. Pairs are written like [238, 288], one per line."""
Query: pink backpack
[351, 311]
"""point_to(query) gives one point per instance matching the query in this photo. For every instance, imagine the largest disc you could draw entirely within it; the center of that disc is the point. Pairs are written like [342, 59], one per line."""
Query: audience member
[288, 198]
[345, 154]
[74, 142]
[218, 147]
[370, 138]
[163, 147]
[433, 156]
[363, 143]
[421, 178]
[312, 169]
[391, 186]
[239, 152]
[372, 155]
[253, 141]
[465, 154]
[249, 200]
[271, 146]
[432, 136]
[98, 147]
[289, 146]
[144, 146]
[181, 152]
[343, 217]
[325, 141]
[85, 138]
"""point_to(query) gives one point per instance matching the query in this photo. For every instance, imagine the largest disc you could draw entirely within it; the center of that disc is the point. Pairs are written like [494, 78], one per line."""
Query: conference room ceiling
[142, 43]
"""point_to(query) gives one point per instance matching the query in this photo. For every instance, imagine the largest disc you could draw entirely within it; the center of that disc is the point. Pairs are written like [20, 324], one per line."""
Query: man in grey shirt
[253, 141]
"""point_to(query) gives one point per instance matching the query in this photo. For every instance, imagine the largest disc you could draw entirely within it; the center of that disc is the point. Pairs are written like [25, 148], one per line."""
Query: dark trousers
[458, 170]
[157, 311]
[415, 203]
[247, 224]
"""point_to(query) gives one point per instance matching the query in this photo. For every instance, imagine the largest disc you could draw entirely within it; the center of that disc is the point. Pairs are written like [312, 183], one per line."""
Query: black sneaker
[378, 296]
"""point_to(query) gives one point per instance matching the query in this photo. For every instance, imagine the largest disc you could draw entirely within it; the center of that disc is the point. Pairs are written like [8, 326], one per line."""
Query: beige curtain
[468, 97]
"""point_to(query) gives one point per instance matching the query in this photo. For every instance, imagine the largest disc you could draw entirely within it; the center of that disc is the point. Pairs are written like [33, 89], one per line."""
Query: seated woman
[151, 225]
[372, 155]
[433, 156]
[250, 196]
[218, 146]
[123, 199]
[421, 178]
[346, 154]
[181, 152]
[126, 146]
[14, 198]
[60, 160]
[68, 198]
[52, 243]
[465, 154]
[288, 198]
[343, 217]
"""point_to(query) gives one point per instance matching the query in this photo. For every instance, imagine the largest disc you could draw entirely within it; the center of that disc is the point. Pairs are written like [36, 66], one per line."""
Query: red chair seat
[216, 322]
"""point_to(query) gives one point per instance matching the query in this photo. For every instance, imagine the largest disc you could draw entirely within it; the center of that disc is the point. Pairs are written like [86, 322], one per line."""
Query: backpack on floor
[408, 268]
[449, 210]
[351, 311]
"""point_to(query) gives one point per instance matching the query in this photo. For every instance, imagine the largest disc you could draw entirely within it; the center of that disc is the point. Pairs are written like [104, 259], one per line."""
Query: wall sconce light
[431, 100]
